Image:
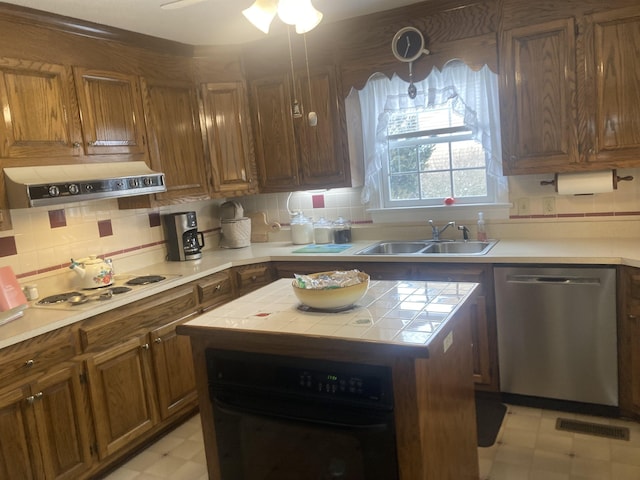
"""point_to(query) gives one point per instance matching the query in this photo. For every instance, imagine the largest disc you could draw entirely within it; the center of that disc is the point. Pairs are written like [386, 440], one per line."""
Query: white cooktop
[397, 312]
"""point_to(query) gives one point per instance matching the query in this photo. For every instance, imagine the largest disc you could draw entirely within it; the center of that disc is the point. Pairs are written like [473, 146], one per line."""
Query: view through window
[432, 156]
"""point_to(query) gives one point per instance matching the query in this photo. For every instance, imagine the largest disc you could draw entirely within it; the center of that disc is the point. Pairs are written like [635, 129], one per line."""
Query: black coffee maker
[184, 241]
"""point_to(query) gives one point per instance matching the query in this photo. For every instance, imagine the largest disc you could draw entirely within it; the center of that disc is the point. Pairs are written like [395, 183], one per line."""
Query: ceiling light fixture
[300, 13]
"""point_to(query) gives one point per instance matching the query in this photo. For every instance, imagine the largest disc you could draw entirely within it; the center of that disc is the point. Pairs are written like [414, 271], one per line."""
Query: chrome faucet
[435, 232]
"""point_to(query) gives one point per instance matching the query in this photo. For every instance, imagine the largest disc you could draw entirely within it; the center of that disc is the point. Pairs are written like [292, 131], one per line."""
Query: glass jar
[301, 229]
[341, 230]
[323, 231]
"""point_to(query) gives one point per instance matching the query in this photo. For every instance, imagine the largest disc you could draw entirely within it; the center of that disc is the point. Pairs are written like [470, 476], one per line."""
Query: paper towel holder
[616, 179]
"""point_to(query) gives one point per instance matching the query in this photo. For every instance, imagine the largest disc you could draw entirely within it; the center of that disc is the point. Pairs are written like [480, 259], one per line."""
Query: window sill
[492, 211]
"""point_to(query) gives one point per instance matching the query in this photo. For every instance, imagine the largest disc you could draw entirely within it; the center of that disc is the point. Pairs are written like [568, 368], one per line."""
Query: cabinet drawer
[251, 277]
[113, 326]
[37, 354]
[215, 290]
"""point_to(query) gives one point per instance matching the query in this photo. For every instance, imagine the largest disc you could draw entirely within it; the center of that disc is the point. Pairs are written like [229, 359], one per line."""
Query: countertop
[391, 312]
[37, 321]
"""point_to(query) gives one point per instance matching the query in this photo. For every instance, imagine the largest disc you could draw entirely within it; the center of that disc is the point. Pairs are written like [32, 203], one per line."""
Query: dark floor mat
[489, 416]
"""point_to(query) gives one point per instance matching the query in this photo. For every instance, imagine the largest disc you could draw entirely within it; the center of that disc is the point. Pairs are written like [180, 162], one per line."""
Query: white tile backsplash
[41, 247]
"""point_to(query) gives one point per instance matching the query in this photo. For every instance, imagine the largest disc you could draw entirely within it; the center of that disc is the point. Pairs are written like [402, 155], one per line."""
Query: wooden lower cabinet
[173, 369]
[629, 340]
[44, 427]
[121, 388]
[248, 278]
[483, 325]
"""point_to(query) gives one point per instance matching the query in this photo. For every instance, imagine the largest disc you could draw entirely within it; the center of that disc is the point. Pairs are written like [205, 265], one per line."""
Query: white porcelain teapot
[93, 272]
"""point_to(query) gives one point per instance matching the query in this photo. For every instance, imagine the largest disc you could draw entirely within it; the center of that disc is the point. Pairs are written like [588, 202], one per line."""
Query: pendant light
[300, 13]
[261, 14]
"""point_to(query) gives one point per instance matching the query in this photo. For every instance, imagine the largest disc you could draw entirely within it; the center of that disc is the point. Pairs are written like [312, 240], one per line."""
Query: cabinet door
[62, 423]
[613, 83]
[482, 318]
[173, 368]
[538, 98]
[321, 148]
[111, 112]
[40, 113]
[121, 390]
[175, 139]
[629, 340]
[276, 155]
[19, 455]
[229, 138]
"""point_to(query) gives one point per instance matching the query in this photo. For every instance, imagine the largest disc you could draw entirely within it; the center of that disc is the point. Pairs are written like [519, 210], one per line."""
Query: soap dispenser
[482, 228]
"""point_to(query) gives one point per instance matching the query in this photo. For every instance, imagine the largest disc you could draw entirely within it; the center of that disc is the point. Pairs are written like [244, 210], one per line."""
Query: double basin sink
[428, 247]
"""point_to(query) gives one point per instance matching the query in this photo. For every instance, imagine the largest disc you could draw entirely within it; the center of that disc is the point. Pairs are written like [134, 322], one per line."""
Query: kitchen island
[419, 331]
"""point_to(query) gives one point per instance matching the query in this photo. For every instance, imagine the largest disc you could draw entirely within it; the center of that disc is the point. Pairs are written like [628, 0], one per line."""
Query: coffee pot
[92, 272]
[184, 241]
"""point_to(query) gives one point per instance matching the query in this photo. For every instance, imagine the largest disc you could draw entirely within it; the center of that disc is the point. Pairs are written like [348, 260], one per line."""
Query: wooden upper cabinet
[175, 139]
[111, 112]
[613, 86]
[229, 139]
[40, 112]
[291, 154]
[538, 98]
[321, 148]
[275, 143]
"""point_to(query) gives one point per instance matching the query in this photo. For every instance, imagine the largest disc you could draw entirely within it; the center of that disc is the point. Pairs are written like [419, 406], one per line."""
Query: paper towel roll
[584, 183]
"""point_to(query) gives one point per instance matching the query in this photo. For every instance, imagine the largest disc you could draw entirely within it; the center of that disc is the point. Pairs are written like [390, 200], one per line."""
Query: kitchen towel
[584, 183]
[325, 248]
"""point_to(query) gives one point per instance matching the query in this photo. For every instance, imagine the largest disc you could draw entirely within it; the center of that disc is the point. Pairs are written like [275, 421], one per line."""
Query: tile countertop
[391, 312]
[37, 321]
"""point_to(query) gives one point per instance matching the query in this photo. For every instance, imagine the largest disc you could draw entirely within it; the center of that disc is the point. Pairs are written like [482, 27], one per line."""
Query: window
[443, 143]
[431, 156]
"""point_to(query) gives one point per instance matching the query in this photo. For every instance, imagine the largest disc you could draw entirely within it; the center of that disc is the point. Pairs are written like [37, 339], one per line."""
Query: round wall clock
[408, 44]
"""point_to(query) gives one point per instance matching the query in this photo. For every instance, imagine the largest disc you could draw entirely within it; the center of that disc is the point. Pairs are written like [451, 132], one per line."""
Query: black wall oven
[284, 418]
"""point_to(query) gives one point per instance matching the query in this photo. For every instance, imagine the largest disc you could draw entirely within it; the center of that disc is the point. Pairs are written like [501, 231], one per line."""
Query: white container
[301, 230]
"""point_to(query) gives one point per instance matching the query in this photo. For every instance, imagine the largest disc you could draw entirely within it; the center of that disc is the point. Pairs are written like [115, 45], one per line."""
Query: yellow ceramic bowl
[332, 298]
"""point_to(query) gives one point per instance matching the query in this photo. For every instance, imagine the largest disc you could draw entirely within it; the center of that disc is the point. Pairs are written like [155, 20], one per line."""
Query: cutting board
[260, 227]
[328, 248]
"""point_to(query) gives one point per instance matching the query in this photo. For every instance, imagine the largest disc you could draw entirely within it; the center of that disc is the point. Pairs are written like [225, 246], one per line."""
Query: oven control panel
[300, 377]
[333, 383]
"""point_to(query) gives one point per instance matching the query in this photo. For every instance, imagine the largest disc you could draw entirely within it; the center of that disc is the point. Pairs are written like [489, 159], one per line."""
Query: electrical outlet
[523, 206]
[549, 206]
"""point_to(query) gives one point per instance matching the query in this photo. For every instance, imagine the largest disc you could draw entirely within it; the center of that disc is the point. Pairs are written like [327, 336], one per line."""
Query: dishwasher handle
[552, 279]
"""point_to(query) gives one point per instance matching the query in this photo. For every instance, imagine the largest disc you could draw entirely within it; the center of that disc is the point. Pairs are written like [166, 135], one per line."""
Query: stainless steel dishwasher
[557, 332]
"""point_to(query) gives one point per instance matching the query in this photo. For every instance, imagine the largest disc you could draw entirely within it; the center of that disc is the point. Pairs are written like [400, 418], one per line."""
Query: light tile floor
[528, 447]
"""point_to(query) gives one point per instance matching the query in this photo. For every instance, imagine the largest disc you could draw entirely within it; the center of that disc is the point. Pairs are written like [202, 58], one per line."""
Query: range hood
[55, 184]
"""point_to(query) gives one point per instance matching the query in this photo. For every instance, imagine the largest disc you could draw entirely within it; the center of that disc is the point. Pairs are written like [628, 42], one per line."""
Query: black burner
[117, 290]
[145, 280]
[57, 298]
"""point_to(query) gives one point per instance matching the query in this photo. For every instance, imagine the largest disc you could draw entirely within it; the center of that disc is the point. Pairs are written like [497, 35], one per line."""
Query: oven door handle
[334, 417]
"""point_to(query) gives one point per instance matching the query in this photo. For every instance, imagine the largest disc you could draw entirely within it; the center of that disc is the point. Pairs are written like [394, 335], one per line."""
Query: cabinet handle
[218, 287]
[145, 346]
[254, 278]
[91, 143]
[29, 363]
[32, 398]
[76, 144]
[632, 317]
[158, 340]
